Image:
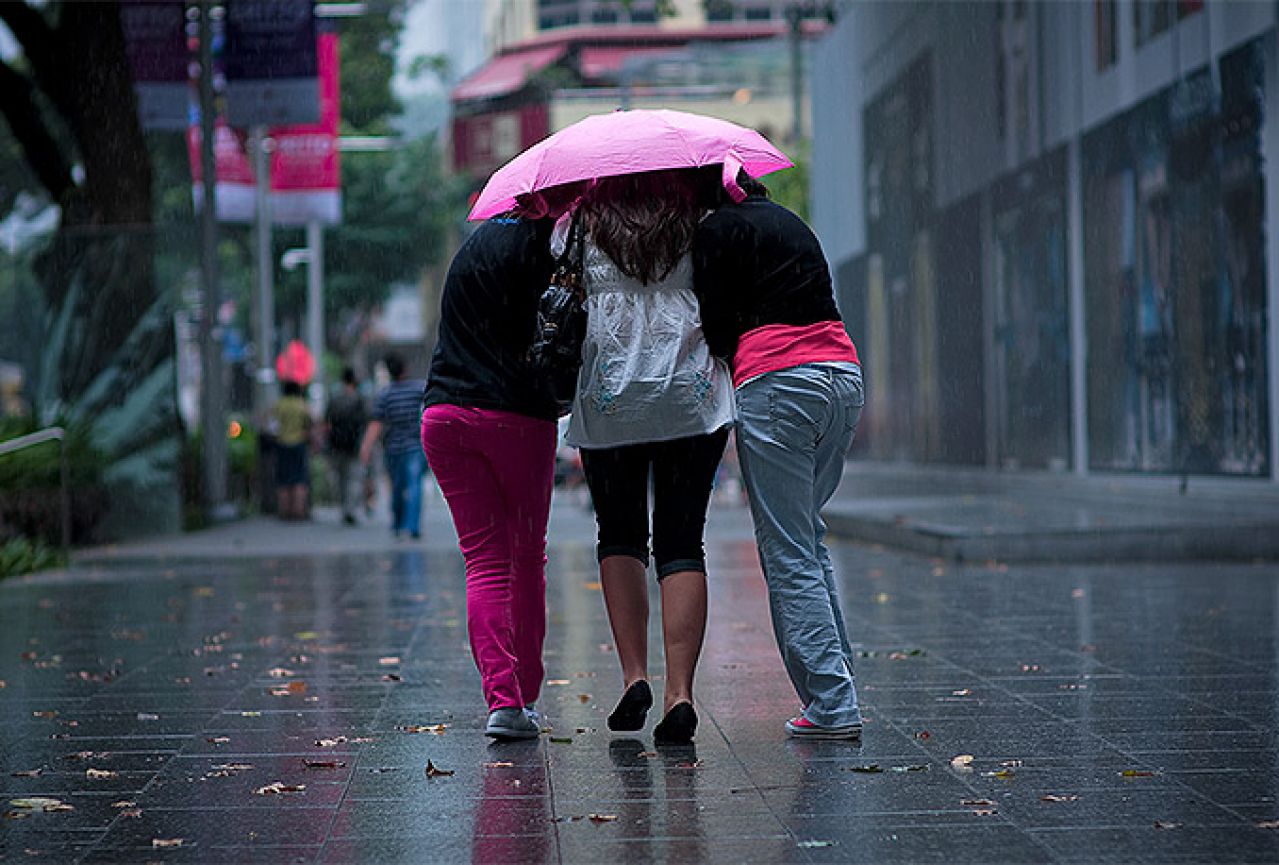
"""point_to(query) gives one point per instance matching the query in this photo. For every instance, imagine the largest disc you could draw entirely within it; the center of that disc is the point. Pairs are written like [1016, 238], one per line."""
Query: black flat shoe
[677, 727]
[632, 709]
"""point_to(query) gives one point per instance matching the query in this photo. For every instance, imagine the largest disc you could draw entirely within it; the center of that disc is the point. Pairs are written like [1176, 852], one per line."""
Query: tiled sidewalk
[1112, 714]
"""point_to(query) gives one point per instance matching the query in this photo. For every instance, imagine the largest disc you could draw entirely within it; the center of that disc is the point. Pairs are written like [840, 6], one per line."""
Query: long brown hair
[644, 222]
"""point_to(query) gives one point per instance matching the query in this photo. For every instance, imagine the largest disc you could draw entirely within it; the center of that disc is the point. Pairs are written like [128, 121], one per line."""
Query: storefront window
[1105, 33]
[1175, 294]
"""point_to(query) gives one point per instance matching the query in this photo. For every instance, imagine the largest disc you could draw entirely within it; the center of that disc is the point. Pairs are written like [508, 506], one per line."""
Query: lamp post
[312, 255]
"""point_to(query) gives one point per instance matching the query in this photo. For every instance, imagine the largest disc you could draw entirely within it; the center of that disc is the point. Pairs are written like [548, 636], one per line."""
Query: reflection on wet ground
[286, 709]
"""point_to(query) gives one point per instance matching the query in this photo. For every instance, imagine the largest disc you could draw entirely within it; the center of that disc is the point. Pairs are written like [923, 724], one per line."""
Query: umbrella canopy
[628, 142]
[295, 363]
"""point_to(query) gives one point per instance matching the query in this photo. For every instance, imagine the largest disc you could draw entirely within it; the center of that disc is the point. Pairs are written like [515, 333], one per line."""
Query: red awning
[606, 61]
[507, 72]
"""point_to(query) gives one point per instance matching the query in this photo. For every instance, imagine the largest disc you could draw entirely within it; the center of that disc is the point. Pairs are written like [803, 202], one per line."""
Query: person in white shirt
[650, 399]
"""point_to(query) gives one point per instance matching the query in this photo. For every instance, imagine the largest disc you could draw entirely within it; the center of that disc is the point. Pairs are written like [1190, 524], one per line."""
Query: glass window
[719, 10]
[1150, 18]
[1105, 33]
[758, 13]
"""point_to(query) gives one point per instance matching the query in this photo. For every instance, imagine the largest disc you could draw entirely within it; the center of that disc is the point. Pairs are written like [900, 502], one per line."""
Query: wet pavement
[268, 693]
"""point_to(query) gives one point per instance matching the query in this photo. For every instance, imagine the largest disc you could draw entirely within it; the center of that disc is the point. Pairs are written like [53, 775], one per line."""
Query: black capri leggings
[683, 472]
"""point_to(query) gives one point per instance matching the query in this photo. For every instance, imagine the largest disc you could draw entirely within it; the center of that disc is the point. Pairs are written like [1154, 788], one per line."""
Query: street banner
[271, 63]
[159, 60]
[306, 174]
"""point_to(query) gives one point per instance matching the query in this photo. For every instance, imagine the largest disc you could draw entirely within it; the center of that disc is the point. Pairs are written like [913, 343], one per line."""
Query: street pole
[212, 406]
[794, 18]
[315, 309]
[265, 337]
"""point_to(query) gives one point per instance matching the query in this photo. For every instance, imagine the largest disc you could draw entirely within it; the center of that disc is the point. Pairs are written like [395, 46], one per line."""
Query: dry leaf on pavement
[433, 771]
[279, 787]
[167, 842]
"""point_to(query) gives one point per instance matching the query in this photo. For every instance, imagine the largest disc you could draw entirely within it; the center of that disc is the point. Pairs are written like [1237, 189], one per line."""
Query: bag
[556, 352]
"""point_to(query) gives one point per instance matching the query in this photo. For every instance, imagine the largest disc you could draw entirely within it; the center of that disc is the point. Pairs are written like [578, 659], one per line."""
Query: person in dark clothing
[396, 422]
[345, 419]
[489, 432]
[768, 306]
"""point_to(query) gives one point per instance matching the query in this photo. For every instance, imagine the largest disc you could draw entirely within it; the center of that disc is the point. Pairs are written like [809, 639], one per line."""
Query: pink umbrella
[628, 142]
[295, 363]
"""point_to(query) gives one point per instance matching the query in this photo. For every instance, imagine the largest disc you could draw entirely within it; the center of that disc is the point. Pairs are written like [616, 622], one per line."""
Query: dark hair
[394, 365]
[292, 388]
[348, 376]
[644, 222]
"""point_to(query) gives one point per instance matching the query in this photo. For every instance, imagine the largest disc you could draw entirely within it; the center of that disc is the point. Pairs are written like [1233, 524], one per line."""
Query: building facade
[1048, 227]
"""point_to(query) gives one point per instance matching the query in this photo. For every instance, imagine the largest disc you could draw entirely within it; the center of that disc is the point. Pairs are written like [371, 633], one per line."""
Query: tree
[106, 340]
[69, 102]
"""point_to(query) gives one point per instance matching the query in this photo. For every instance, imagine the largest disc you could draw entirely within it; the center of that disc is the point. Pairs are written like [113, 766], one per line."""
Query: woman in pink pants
[489, 432]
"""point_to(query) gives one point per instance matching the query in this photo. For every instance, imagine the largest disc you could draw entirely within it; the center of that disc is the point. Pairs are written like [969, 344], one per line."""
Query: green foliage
[367, 45]
[790, 186]
[30, 484]
[21, 556]
[38, 466]
[397, 207]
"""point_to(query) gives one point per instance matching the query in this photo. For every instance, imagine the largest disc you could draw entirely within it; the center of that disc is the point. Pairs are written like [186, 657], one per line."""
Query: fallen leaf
[250, 714]
[41, 803]
[583, 698]
[869, 768]
[923, 735]
[963, 762]
[132, 813]
[815, 843]
[558, 681]
[962, 692]
[433, 771]
[1002, 774]
[100, 773]
[562, 740]
[1137, 773]
[1167, 824]
[498, 764]
[392, 677]
[389, 661]
[28, 773]
[1268, 824]
[983, 812]
[1053, 797]
[329, 743]
[279, 787]
[977, 803]
[324, 764]
[921, 767]
[601, 818]
[124, 803]
[167, 842]
[45, 714]
[689, 764]
[218, 740]
[306, 636]
[16, 815]
[436, 729]
[280, 673]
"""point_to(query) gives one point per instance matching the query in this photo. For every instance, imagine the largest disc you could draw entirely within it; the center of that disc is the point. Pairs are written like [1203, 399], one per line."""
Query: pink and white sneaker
[802, 728]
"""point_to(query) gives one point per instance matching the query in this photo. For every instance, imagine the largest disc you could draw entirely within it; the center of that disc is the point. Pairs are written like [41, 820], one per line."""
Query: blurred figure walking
[345, 420]
[397, 422]
[291, 419]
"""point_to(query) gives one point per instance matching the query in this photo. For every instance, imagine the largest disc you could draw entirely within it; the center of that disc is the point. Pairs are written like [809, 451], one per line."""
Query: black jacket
[757, 263]
[487, 317]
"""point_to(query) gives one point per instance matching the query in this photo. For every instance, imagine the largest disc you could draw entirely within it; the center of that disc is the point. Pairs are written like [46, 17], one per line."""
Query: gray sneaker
[533, 715]
[511, 724]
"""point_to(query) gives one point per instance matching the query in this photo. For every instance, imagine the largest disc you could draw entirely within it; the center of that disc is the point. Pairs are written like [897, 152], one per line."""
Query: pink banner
[306, 172]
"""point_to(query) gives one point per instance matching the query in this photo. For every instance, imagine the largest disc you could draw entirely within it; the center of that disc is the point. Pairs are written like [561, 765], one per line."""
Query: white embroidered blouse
[647, 374]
